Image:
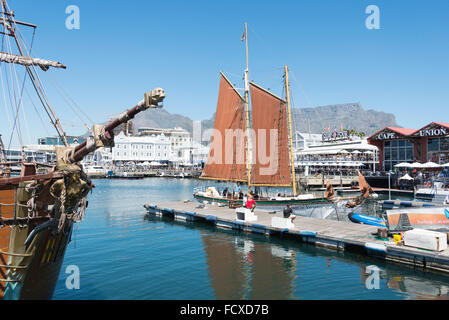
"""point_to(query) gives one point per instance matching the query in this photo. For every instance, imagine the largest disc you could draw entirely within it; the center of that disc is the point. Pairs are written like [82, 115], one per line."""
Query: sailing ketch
[270, 113]
[37, 211]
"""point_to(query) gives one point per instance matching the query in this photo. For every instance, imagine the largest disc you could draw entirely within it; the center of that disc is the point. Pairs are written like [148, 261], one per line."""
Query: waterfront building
[304, 140]
[193, 153]
[340, 155]
[141, 148]
[178, 136]
[56, 140]
[396, 145]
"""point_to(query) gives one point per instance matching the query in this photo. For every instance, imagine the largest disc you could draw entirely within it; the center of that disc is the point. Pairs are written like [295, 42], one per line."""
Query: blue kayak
[364, 219]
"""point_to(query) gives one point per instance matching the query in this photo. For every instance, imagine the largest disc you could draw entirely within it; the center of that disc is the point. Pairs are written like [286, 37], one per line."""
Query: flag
[243, 35]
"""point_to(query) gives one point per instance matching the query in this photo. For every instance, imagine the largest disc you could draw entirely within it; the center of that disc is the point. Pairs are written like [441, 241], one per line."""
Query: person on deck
[250, 203]
[288, 213]
[237, 190]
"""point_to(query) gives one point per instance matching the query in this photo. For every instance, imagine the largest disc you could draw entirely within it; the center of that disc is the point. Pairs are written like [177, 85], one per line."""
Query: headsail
[26, 61]
[227, 159]
[271, 156]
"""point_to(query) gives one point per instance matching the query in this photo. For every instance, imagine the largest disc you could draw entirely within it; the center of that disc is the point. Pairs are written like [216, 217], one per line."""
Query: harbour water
[123, 254]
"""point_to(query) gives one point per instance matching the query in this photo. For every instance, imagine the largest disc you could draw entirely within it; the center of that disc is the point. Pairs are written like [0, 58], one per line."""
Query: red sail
[270, 148]
[227, 155]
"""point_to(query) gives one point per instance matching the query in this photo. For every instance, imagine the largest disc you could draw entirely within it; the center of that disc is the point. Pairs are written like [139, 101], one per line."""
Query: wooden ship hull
[37, 212]
[32, 244]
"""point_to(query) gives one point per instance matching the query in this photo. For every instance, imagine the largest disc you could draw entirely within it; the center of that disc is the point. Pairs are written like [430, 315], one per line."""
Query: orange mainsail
[227, 155]
[270, 146]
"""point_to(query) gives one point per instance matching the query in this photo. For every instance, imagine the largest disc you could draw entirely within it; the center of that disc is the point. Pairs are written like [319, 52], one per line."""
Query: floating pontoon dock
[337, 235]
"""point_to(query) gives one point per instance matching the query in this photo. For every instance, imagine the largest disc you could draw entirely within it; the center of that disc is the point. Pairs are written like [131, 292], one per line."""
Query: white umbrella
[403, 165]
[416, 165]
[344, 152]
[356, 152]
[431, 165]
[406, 177]
[446, 165]
[368, 152]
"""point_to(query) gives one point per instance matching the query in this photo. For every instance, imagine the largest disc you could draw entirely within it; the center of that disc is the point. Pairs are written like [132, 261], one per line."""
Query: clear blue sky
[126, 47]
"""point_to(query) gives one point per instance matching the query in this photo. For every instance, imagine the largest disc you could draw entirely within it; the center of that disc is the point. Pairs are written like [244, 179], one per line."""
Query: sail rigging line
[312, 105]
[37, 111]
[73, 101]
[36, 81]
[20, 104]
[68, 104]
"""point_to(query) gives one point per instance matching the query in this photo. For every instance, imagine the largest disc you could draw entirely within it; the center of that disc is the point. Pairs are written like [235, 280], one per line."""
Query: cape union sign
[386, 135]
[433, 132]
[328, 136]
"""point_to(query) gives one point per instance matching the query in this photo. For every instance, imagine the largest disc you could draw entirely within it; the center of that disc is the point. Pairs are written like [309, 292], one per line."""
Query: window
[397, 151]
[438, 150]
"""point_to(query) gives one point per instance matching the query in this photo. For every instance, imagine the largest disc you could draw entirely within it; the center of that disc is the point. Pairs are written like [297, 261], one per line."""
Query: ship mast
[292, 158]
[8, 22]
[248, 153]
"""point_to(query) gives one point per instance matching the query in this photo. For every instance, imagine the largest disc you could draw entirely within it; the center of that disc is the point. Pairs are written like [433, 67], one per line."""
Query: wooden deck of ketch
[337, 235]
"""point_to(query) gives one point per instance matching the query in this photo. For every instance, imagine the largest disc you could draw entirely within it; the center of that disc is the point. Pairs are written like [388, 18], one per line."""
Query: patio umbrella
[406, 177]
[356, 152]
[446, 165]
[403, 165]
[431, 165]
[416, 165]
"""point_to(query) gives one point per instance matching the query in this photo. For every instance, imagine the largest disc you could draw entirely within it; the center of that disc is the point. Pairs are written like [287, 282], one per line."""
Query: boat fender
[307, 233]
[375, 247]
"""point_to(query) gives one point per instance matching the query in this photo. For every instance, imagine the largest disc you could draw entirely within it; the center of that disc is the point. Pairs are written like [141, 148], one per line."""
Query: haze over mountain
[313, 120]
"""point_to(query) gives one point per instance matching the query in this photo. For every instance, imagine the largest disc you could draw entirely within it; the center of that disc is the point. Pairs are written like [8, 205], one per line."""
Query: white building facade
[144, 148]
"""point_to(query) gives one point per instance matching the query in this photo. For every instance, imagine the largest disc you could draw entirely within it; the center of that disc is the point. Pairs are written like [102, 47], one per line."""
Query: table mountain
[313, 120]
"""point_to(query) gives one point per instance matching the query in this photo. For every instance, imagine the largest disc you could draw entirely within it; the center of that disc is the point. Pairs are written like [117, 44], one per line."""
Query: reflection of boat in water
[248, 269]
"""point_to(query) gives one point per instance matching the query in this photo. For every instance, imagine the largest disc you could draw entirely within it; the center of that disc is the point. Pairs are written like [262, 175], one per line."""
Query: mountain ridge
[308, 119]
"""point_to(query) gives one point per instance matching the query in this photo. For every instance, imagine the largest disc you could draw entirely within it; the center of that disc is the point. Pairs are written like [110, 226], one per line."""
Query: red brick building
[396, 145]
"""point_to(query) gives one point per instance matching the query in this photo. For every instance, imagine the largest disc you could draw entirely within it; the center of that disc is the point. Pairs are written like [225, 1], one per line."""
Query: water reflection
[252, 267]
